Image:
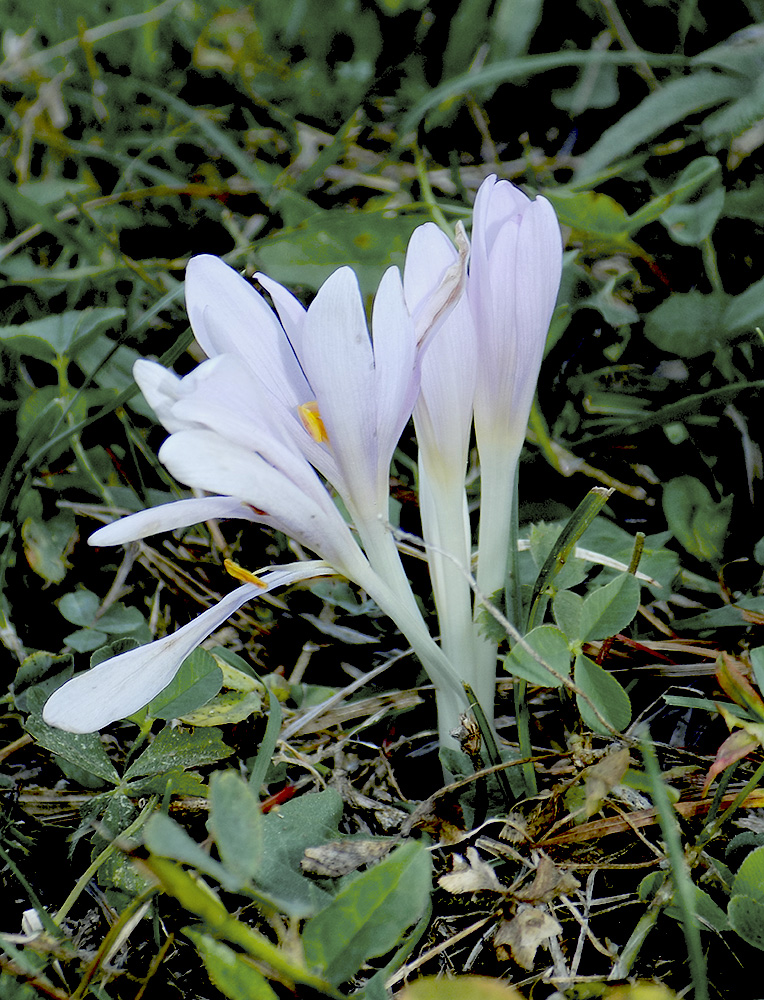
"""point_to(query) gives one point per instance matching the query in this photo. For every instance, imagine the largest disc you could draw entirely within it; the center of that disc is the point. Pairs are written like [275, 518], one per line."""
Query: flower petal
[301, 509]
[229, 317]
[125, 683]
[122, 685]
[168, 517]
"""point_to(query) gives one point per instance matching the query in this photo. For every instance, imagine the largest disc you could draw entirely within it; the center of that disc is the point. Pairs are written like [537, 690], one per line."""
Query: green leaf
[175, 749]
[605, 692]
[198, 680]
[236, 823]
[689, 324]
[196, 897]
[308, 254]
[746, 917]
[552, 646]
[369, 916]
[567, 608]
[61, 335]
[46, 544]
[608, 610]
[746, 311]
[163, 836]
[749, 880]
[85, 750]
[698, 522]
[229, 971]
[303, 822]
[671, 103]
[79, 607]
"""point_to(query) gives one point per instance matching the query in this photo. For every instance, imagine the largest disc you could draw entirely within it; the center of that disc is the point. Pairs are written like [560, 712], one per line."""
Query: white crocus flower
[512, 287]
[443, 422]
[344, 396]
[240, 428]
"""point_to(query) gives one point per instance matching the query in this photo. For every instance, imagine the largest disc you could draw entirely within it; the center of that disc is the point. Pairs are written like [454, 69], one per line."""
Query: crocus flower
[249, 425]
[512, 287]
[344, 396]
[443, 422]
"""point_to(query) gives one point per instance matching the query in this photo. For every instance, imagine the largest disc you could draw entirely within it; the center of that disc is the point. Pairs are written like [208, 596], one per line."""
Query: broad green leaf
[119, 618]
[85, 750]
[163, 836]
[197, 898]
[697, 521]
[175, 782]
[605, 692]
[46, 544]
[671, 103]
[225, 709]
[175, 749]
[369, 915]
[229, 971]
[746, 311]
[198, 680]
[85, 640]
[236, 823]
[749, 880]
[303, 822]
[308, 254]
[746, 918]
[740, 114]
[567, 608]
[596, 220]
[689, 324]
[608, 610]
[692, 222]
[61, 335]
[79, 607]
[552, 646]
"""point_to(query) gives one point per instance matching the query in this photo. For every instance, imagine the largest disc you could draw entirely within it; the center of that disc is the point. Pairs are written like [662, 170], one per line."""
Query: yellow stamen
[239, 573]
[312, 422]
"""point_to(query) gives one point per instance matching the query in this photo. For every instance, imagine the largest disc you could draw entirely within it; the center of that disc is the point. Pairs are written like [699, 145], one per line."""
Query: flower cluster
[296, 406]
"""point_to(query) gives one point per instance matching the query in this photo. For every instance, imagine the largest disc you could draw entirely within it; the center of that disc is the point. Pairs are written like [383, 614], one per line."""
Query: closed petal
[396, 368]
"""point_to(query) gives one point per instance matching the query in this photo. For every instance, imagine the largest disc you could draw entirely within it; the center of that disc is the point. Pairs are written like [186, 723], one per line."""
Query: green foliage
[294, 138]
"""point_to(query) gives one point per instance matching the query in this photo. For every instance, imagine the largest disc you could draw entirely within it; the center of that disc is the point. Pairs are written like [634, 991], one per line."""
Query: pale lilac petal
[122, 685]
[303, 511]
[168, 517]
[228, 316]
[443, 412]
[291, 311]
[337, 354]
[396, 368]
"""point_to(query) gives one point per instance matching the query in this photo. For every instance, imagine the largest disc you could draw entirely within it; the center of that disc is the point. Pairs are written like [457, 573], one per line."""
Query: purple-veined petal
[168, 517]
[122, 685]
